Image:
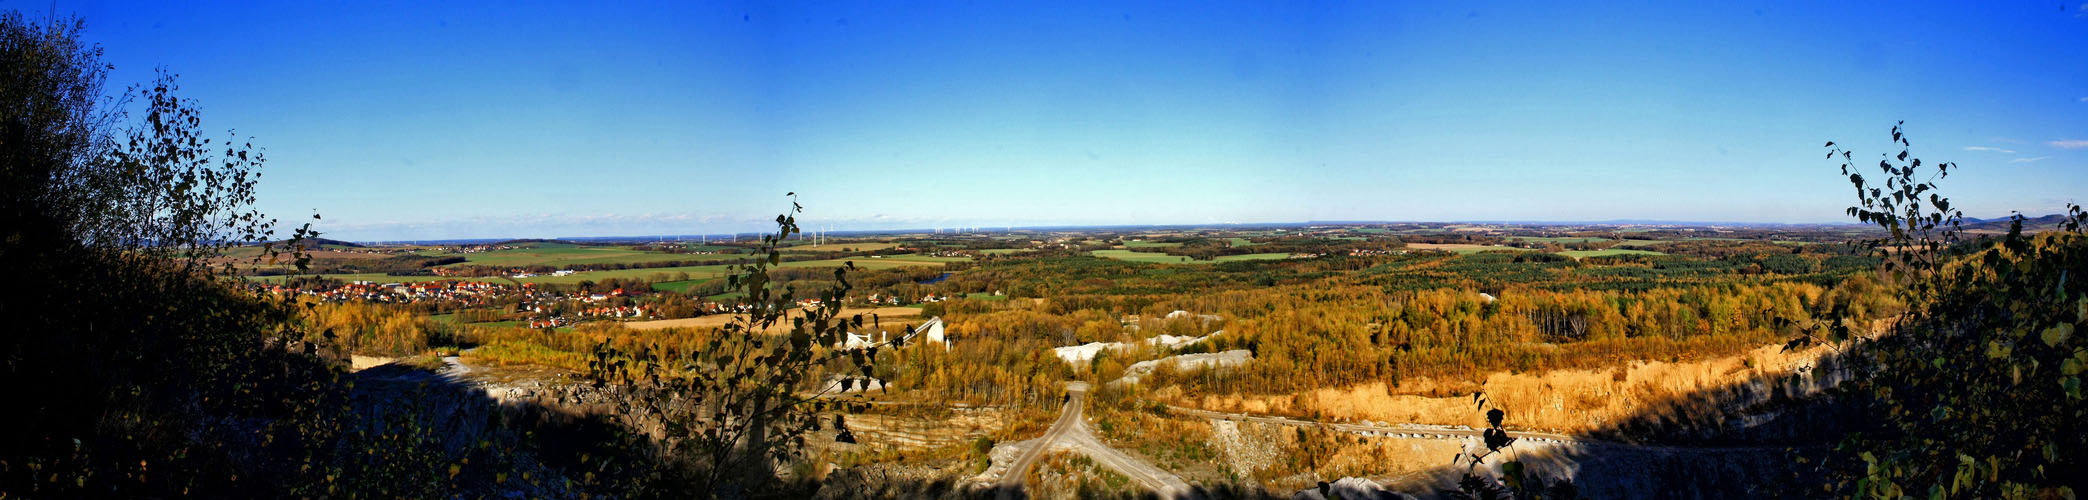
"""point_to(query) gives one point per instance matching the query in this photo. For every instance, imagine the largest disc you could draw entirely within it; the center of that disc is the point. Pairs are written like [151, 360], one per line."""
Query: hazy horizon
[448, 122]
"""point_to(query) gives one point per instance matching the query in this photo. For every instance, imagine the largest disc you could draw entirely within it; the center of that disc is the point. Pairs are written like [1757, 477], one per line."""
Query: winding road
[1070, 431]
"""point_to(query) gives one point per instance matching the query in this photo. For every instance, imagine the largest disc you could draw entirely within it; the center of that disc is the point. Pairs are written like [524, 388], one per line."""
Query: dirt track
[1070, 431]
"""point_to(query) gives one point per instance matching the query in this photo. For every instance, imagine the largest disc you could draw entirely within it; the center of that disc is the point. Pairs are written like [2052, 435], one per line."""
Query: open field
[1161, 258]
[564, 254]
[1559, 239]
[916, 258]
[696, 273]
[886, 315]
[711, 271]
[1240, 242]
[845, 246]
[382, 278]
[1148, 244]
[1253, 256]
[1461, 248]
[682, 286]
[1606, 252]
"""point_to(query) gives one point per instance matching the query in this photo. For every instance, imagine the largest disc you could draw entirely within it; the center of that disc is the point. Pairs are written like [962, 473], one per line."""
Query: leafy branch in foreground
[1975, 391]
[1515, 480]
[722, 413]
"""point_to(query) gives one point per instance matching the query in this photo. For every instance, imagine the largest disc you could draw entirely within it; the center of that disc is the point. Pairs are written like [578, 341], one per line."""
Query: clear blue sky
[408, 121]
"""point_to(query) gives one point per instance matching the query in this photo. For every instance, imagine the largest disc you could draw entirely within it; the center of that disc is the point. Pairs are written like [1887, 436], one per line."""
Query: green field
[1605, 252]
[851, 246]
[682, 286]
[1560, 239]
[1240, 242]
[702, 272]
[1128, 255]
[1161, 258]
[1149, 244]
[1254, 256]
[380, 278]
[1005, 251]
[1464, 248]
[914, 258]
[1642, 243]
[725, 296]
[695, 272]
[566, 254]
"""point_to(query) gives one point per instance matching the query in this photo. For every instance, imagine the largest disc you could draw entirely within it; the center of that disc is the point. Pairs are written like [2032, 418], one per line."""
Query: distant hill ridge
[2029, 223]
[1970, 223]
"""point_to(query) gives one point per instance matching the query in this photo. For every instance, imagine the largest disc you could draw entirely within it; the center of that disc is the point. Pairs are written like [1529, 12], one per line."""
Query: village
[539, 307]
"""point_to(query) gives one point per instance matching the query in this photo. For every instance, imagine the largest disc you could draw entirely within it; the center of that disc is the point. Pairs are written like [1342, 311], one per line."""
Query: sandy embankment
[886, 314]
[360, 362]
[1566, 400]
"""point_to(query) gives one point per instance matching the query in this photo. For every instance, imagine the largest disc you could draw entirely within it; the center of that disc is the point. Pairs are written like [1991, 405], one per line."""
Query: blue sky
[408, 121]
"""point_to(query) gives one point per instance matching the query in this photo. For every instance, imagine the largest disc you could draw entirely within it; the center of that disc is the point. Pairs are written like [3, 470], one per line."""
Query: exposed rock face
[1245, 448]
[1086, 352]
[1187, 362]
[1350, 488]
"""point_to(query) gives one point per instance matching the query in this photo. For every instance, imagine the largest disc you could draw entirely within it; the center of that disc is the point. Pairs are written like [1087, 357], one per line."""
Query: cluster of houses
[465, 293]
[477, 248]
[552, 322]
[546, 308]
[620, 312]
[543, 304]
[878, 299]
[519, 274]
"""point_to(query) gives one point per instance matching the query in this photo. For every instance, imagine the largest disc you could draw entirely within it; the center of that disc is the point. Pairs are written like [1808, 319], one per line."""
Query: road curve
[1069, 418]
[1071, 430]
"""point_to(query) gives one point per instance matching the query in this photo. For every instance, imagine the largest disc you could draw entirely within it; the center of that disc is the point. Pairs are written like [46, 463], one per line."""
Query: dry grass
[717, 320]
[1566, 401]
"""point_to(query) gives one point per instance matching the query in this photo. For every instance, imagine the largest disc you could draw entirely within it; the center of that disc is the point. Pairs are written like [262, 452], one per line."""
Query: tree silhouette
[724, 412]
[1974, 392]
